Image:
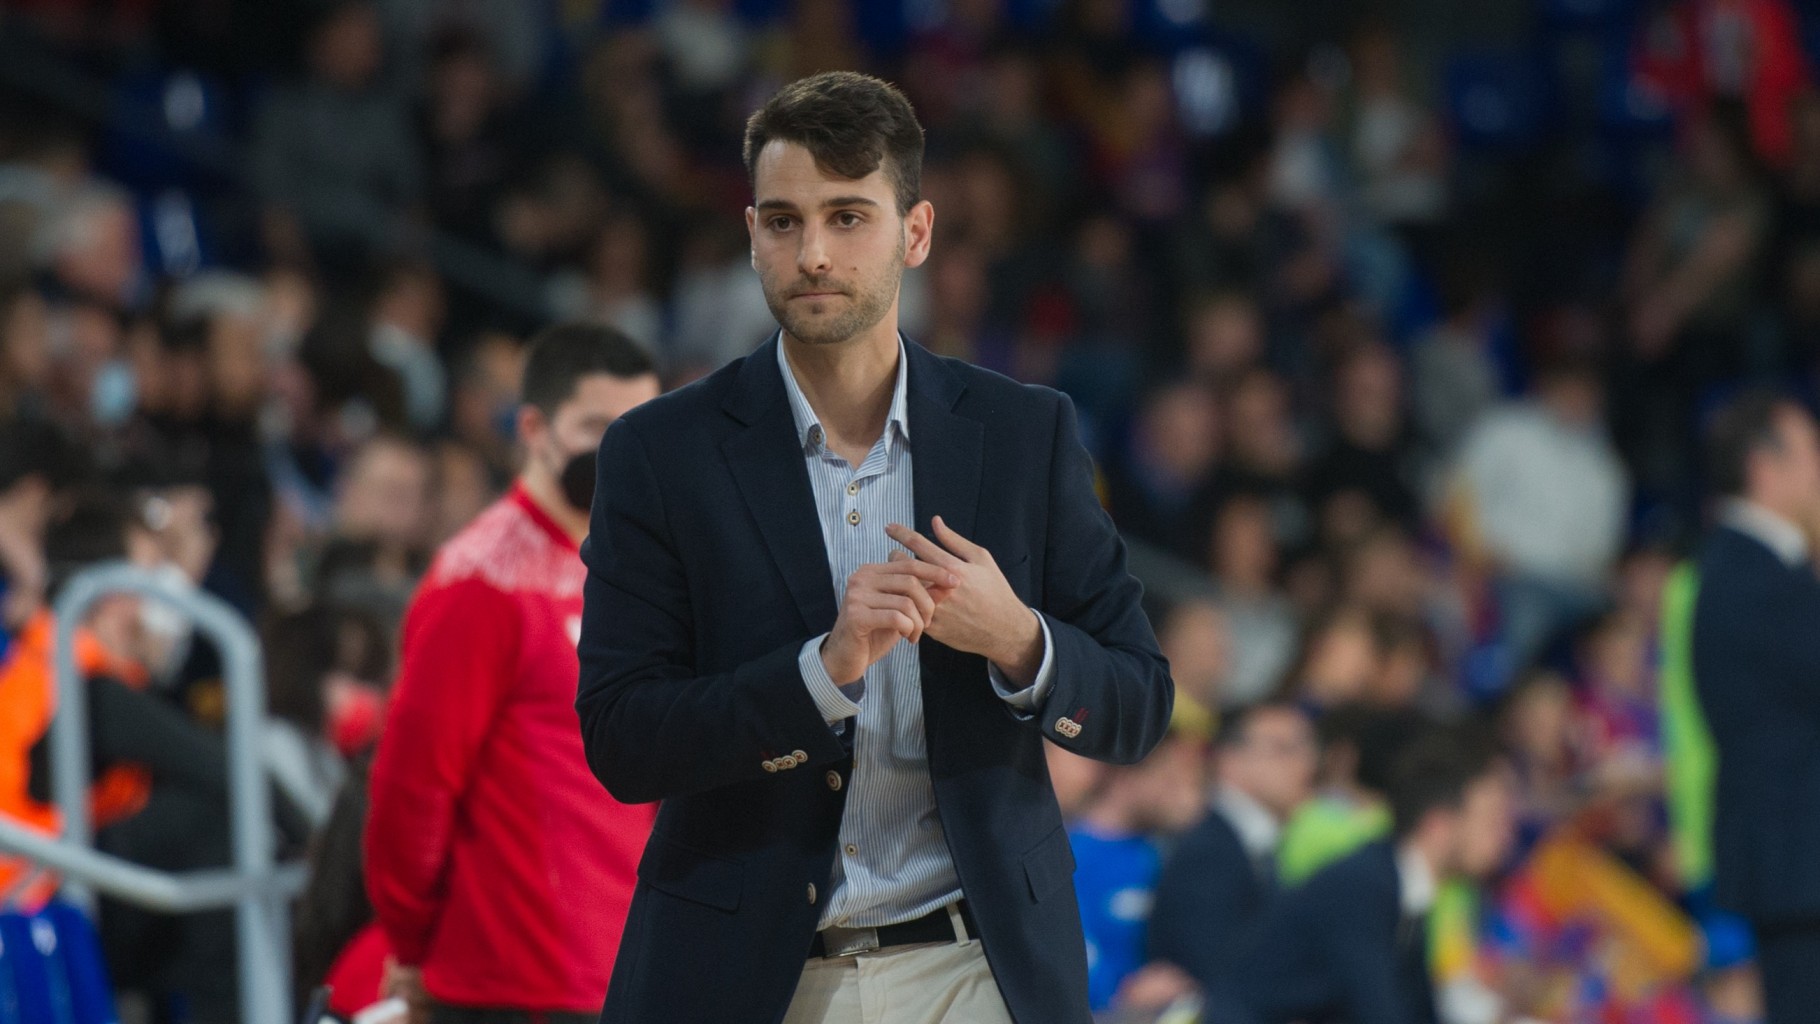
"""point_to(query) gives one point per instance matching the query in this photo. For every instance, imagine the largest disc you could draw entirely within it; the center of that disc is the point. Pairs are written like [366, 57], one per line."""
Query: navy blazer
[1756, 651]
[1209, 897]
[706, 575]
[1338, 948]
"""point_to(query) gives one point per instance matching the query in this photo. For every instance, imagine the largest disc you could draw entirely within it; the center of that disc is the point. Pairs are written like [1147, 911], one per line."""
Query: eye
[848, 219]
[779, 223]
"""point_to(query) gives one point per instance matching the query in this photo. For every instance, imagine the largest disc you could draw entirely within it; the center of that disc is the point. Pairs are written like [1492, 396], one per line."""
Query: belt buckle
[839, 942]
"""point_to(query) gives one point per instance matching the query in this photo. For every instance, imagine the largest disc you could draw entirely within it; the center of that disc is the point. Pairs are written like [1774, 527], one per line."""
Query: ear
[532, 426]
[752, 233]
[919, 231]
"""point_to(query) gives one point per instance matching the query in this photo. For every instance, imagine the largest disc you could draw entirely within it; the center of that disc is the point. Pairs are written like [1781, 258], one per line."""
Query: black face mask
[578, 481]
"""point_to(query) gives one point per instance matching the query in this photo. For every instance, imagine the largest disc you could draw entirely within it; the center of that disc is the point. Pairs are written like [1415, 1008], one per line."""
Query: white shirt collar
[808, 424]
[1416, 882]
[1767, 528]
[1258, 829]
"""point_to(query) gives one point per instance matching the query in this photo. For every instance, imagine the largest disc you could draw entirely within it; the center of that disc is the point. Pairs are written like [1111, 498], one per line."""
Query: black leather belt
[934, 926]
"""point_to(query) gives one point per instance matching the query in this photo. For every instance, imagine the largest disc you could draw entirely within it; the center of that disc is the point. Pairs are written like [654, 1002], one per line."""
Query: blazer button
[812, 894]
[771, 766]
[834, 781]
[801, 758]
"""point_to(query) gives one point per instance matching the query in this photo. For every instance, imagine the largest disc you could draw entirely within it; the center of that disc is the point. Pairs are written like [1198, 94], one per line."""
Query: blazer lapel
[767, 463]
[946, 448]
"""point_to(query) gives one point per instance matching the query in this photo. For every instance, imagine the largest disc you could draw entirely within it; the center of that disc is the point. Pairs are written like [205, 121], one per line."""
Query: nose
[812, 255]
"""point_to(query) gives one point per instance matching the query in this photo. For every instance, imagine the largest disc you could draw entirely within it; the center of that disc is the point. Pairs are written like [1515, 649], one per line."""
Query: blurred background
[1393, 326]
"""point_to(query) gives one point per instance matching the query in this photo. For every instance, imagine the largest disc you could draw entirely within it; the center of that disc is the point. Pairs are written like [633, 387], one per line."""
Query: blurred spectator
[1754, 660]
[384, 499]
[1453, 379]
[1162, 487]
[1367, 473]
[1244, 565]
[1338, 661]
[160, 782]
[1216, 884]
[1694, 52]
[1543, 501]
[1117, 859]
[1397, 146]
[1352, 941]
[470, 148]
[334, 152]
[407, 321]
[1197, 642]
[614, 289]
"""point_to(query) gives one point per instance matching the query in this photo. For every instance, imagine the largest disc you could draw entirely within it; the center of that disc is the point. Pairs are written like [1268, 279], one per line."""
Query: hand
[406, 983]
[885, 602]
[1154, 987]
[983, 615]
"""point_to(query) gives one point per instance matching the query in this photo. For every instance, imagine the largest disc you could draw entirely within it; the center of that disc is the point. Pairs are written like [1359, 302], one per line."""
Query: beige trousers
[931, 983]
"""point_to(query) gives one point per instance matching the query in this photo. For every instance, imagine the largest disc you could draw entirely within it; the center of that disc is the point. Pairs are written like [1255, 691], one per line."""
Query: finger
[929, 573]
[922, 547]
[958, 544]
[899, 603]
[915, 591]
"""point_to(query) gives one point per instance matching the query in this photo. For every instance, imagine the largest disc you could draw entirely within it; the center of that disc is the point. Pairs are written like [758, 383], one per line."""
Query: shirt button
[853, 488]
[834, 781]
[853, 518]
[852, 851]
[811, 893]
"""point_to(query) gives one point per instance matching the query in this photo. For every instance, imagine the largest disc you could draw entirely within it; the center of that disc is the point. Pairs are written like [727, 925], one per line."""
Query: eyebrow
[765, 205]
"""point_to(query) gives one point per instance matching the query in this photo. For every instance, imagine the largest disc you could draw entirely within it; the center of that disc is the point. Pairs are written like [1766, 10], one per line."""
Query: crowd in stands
[1394, 355]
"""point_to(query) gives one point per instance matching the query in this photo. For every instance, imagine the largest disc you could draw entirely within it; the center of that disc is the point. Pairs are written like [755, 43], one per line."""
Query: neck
[1426, 848]
[547, 495]
[849, 384]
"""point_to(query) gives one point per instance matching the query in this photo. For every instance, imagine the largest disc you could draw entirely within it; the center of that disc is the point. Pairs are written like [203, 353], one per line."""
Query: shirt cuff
[830, 699]
[1024, 702]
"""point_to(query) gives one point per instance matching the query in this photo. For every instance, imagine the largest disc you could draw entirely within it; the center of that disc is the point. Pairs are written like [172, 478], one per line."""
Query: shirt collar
[809, 426]
[1258, 829]
[1767, 528]
[1416, 882]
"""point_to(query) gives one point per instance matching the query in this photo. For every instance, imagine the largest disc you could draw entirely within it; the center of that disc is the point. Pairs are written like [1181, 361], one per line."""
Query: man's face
[1797, 459]
[829, 251]
[1275, 762]
[1487, 825]
[582, 420]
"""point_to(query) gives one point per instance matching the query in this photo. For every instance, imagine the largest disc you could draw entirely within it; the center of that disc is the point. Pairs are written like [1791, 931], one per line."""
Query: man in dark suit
[838, 595]
[1350, 944]
[1756, 662]
[1214, 888]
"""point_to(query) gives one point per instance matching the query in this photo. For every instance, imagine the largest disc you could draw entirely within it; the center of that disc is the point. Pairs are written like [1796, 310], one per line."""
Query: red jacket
[494, 859]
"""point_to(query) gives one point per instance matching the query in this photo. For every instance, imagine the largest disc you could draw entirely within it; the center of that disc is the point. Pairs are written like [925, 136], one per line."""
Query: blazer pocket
[1049, 865]
[690, 874]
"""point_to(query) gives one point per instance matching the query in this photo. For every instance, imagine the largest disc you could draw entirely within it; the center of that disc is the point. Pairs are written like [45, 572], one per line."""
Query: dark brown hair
[851, 123]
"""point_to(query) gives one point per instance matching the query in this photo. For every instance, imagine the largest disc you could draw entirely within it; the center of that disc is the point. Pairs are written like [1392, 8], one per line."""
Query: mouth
[816, 295]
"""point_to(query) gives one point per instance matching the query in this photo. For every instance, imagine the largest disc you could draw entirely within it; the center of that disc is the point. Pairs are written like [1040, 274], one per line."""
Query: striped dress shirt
[893, 863]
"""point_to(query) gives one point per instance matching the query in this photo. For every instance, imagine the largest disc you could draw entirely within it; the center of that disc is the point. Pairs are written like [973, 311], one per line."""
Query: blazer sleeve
[1111, 683]
[652, 725]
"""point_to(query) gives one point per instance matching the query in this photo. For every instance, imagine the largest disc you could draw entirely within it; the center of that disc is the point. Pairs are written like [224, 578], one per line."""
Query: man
[825, 662]
[1223, 873]
[1117, 855]
[1756, 668]
[1540, 496]
[499, 871]
[1351, 943]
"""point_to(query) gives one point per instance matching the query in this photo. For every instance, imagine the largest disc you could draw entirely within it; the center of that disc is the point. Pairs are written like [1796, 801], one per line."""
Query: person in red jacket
[499, 870]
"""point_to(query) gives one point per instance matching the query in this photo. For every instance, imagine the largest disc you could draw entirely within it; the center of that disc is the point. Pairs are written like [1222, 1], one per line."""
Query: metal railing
[257, 886]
